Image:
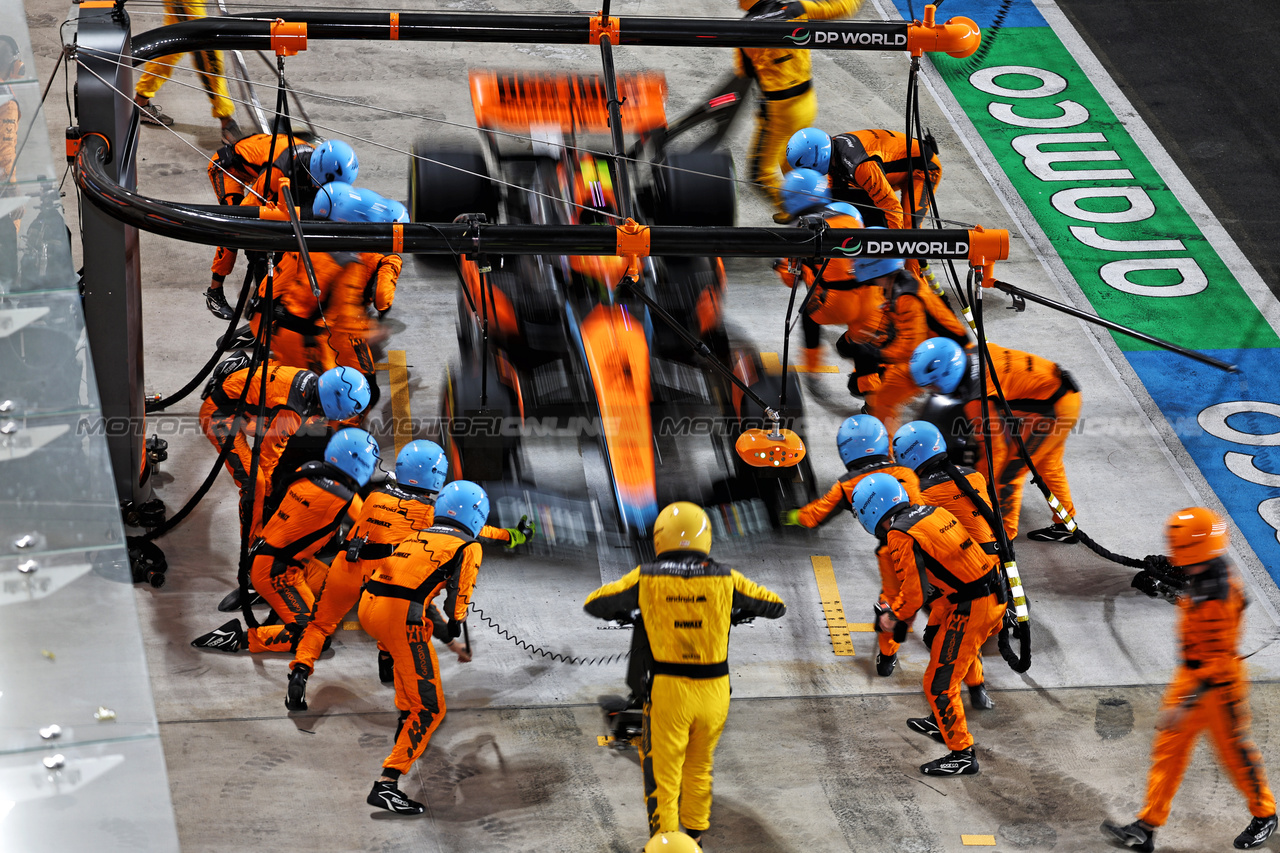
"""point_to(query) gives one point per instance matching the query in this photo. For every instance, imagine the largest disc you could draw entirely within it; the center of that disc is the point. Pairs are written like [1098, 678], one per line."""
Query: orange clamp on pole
[958, 37]
[986, 246]
[633, 239]
[397, 237]
[287, 38]
[602, 26]
[395, 26]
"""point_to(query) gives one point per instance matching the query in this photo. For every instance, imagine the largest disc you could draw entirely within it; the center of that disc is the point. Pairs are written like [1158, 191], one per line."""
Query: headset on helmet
[353, 452]
[939, 363]
[803, 190]
[861, 436]
[682, 526]
[344, 393]
[846, 209]
[876, 496]
[672, 842]
[333, 160]
[809, 148]
[918, 443]
[422, 465]
[866, 269]
[1196, 535]
[11, 64]
[465, 504]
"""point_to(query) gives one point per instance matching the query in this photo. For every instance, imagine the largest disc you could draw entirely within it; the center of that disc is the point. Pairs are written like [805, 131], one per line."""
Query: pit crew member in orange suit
[1209, 690]
[838, 299]
[315, 499]
[686, 601]
[785, 79]
[1044, 398]
[919, 446]
[335, 329]
[864, 448]
[393, 610]
[297, 406]
[868, 168]
[927, 545]
[391, 514]
[881, 347]
[333, 160]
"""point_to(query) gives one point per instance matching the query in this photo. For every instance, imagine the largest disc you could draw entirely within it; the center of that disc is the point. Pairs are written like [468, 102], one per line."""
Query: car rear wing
[573, 102]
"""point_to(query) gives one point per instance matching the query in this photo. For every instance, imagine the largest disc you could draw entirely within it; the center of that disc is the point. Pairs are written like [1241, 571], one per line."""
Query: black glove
[900, 631]
[775, 10]
[454, 629]
[858, 351]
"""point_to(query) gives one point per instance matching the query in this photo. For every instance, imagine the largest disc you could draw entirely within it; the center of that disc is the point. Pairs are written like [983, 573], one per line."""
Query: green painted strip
[1065, 106]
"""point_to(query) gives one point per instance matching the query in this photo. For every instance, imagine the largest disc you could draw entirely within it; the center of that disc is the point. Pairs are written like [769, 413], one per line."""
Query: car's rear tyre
[446, 183]
[697, 189]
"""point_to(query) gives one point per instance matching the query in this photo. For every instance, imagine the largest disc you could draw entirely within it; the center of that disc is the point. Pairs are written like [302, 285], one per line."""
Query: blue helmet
[396, 212]
[422, 465]
[845, 208]
[333, 160]
[465, 504]
[939, 363]
[861, 436]
[918, 442]
[333, 200]
[874, 497]
[803, 190]
[378, 208]
[865, 269]
[353, 452]
[344, 393]
[809, 148]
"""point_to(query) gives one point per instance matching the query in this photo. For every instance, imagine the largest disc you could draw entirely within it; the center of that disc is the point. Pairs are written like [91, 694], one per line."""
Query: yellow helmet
[1196, 535]
[672, 842]
[682, 526]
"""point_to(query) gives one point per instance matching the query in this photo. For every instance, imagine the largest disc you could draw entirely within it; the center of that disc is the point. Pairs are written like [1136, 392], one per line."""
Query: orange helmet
[1196, 535]
[593, 192]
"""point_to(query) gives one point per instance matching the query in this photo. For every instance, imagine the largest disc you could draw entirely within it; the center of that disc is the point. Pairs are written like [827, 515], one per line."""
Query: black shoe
[241, 338]
[216, 300]
[979, 698]
[296, 698]
[957, 762]
[853, 386]
[229, 638]
[885, 664]
[230, 602]
[385, 795]
[1256, 833]
[386, 668]
[926, 726]
[1054, 533]
[1132, 836]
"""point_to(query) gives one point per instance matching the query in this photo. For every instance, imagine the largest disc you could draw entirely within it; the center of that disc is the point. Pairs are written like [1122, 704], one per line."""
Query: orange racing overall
[928, 548]
[869, 169]
[1209, 690]
[394, 611]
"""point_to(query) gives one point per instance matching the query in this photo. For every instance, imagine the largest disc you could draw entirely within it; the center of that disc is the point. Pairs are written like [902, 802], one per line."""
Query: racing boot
[217, 303]
[1056, 532]
[296, 697]
[230, 602]
[979, 698]
[926, 726]
[385, 795]
[885, 664]
[1135, 836]
[229, 638]
[958, 762]
[386, 667]
[1256, 833]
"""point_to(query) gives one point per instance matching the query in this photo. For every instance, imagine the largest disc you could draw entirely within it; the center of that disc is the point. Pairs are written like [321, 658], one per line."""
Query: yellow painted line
[861, 628]
[978, 840]
[397, 368]
[832, 609]
[351, 626]
[773, 366]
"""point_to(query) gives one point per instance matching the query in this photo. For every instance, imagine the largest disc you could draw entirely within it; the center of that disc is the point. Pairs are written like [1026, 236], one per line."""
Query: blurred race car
[550, 336]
